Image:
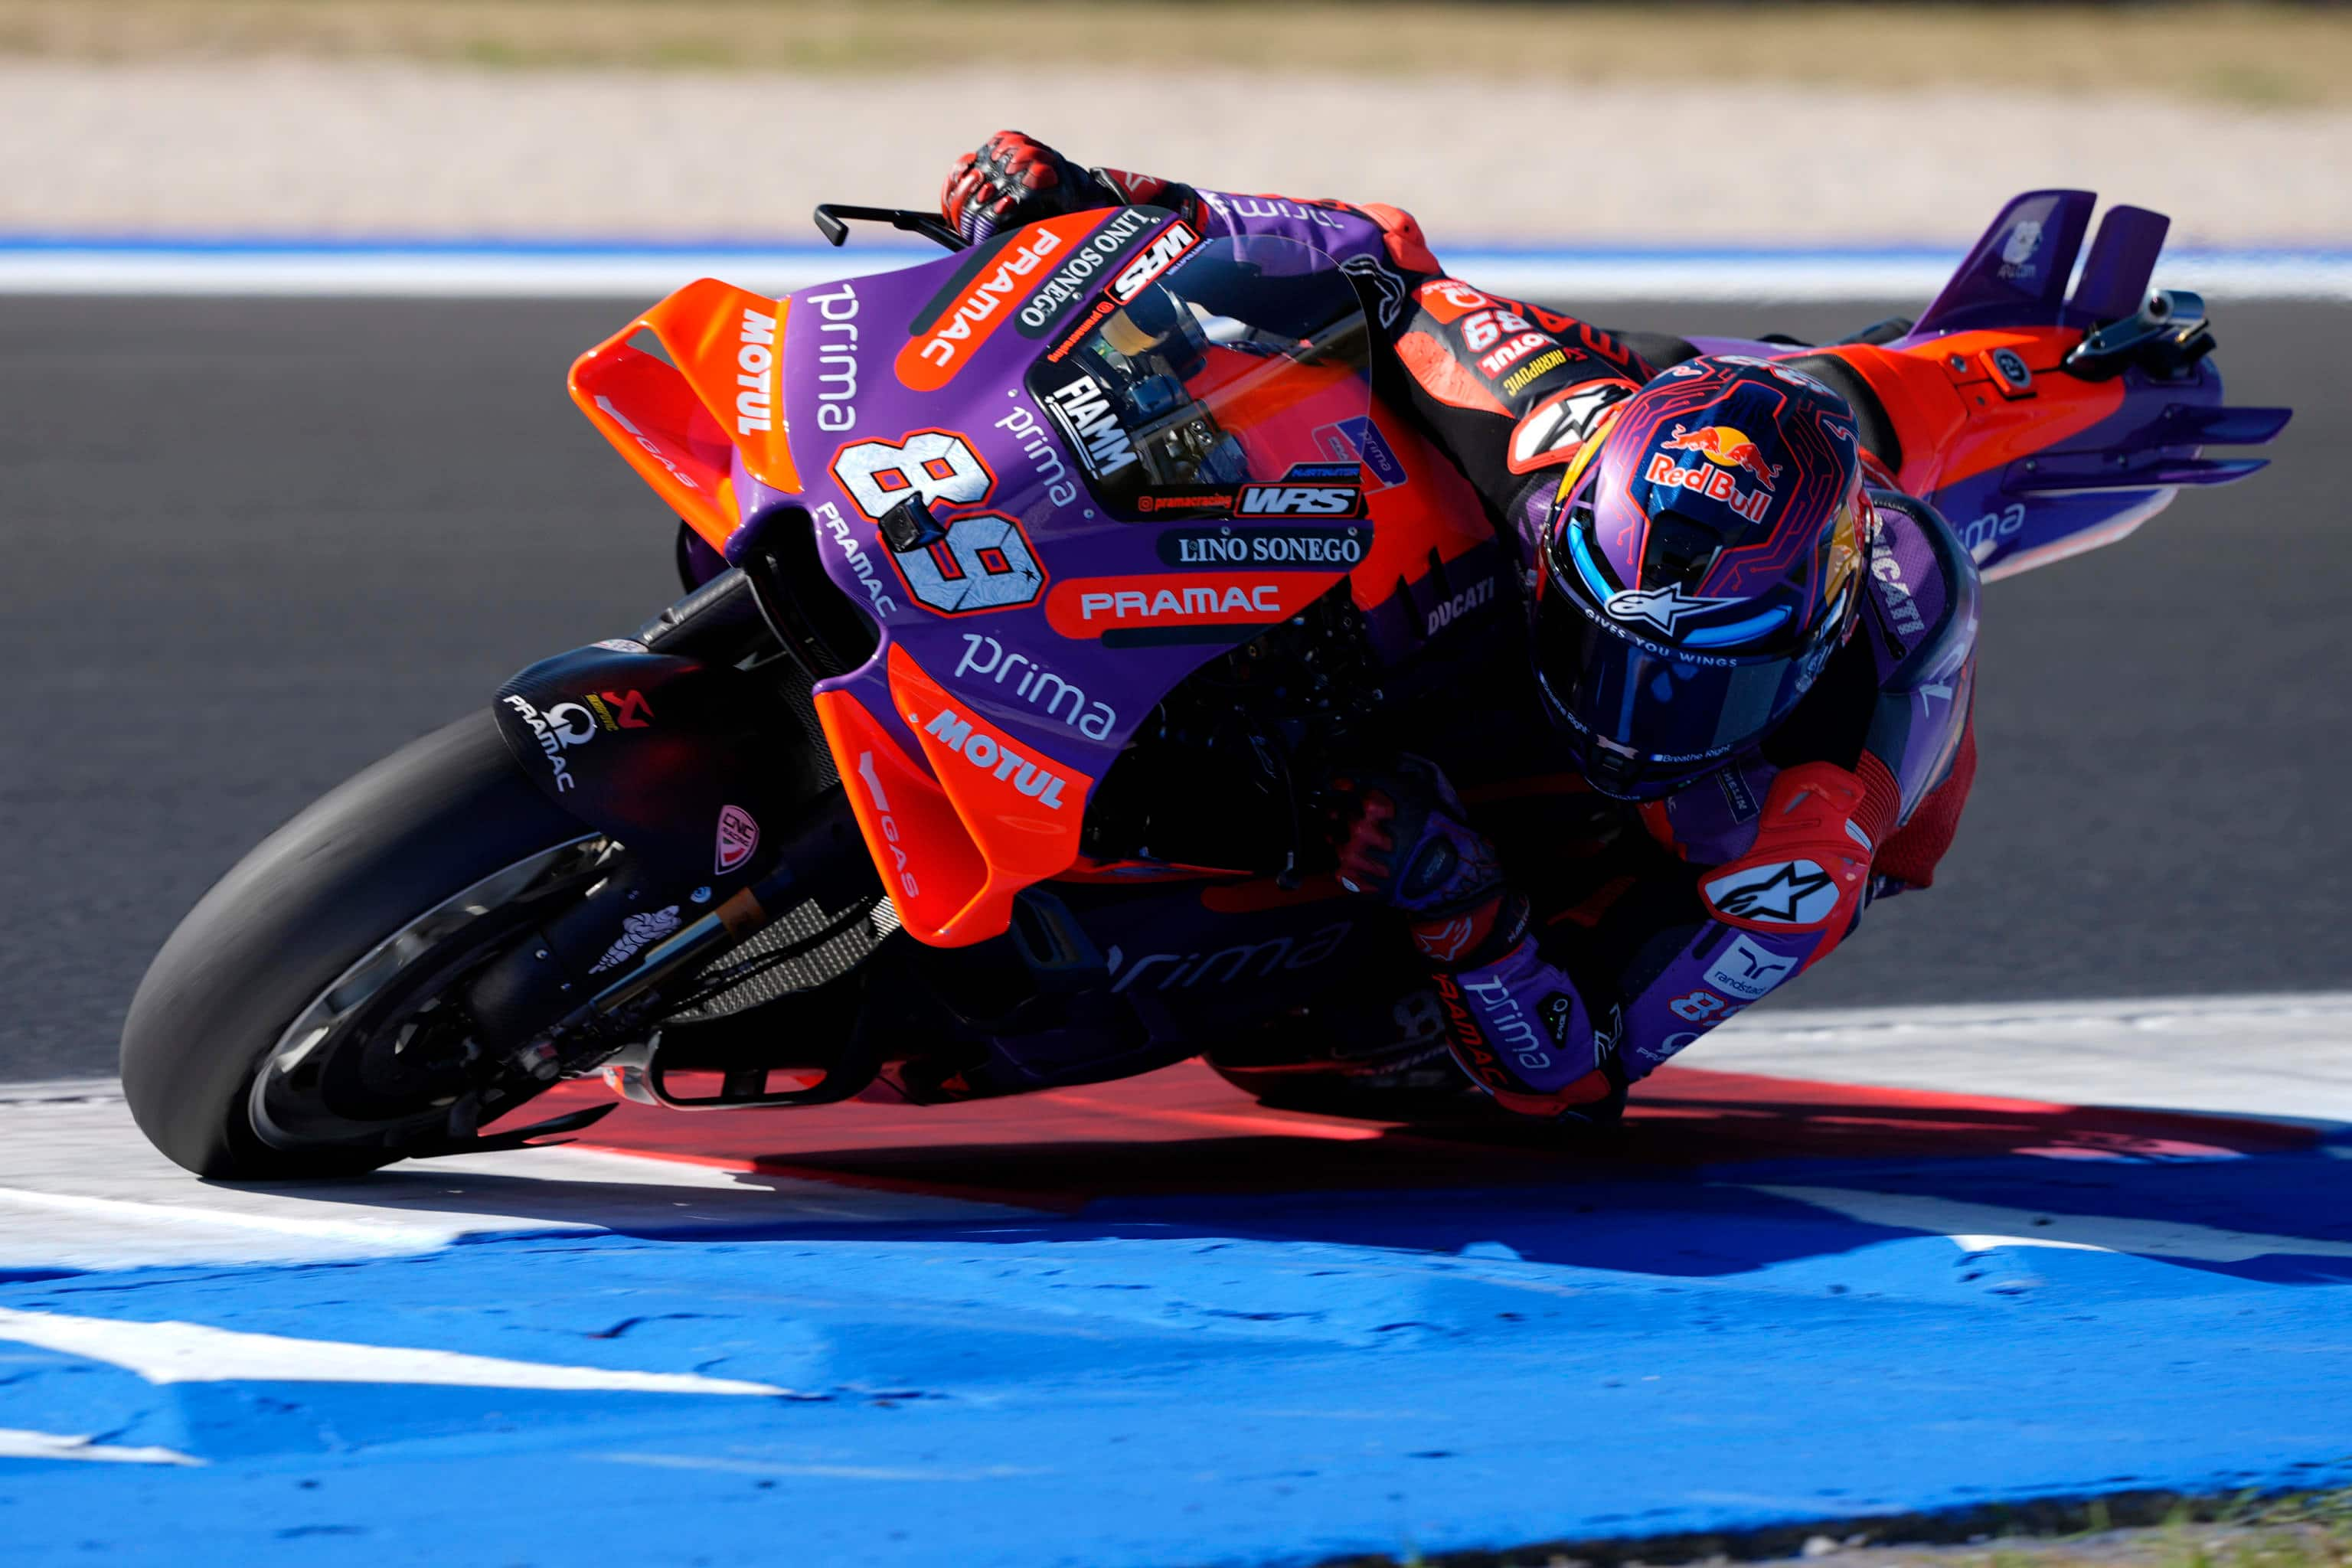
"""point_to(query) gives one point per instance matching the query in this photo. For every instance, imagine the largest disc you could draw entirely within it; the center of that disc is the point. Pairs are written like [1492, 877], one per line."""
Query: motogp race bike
[1028, 591]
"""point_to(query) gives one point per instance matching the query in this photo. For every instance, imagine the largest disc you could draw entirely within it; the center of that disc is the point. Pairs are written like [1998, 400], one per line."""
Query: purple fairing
[849, 350]
[2098, 485]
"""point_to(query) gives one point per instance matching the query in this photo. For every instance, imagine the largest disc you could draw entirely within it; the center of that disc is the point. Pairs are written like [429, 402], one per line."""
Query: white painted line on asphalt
[430, 270]
[1981, 1227]
[169, 1352]
[17, 1444]
[2286, 1055]
[80, 1188]
[391, 1237]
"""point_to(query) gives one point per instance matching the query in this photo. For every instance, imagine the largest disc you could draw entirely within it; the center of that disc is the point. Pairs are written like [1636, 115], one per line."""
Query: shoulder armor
[1922, 612]
[1923, 628]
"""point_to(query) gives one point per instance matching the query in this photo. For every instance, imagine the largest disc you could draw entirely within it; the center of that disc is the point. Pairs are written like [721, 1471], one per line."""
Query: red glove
[1015, 179]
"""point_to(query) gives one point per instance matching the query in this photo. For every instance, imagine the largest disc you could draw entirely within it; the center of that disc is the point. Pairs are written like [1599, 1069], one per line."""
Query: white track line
[429, 270]
[2278, 1056]
[1981, 1227]
[79, 1188]
[170, 1353]
[15, 1443]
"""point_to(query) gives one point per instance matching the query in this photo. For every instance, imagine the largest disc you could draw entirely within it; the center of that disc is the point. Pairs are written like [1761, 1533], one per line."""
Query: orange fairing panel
[731, 344]
[929, 865]
[680, 426]
[993, 816]
[1949, 414]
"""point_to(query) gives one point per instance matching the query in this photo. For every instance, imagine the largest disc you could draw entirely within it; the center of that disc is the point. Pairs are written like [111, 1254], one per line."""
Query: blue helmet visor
[1645, 716]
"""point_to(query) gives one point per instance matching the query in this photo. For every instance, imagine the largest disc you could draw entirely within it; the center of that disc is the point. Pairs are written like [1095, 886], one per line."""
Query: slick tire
[288, 919]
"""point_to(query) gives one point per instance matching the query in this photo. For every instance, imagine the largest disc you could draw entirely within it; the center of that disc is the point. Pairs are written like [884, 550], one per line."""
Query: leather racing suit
[1607, 935]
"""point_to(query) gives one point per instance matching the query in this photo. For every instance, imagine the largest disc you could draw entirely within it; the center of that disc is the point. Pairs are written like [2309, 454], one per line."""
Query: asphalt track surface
[248, 546]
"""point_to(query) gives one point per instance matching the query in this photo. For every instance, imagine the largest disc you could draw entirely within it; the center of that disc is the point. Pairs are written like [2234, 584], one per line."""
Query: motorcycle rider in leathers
[1753, 661]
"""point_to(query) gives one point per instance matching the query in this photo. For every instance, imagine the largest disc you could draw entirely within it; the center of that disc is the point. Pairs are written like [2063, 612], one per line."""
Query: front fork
[726, 816]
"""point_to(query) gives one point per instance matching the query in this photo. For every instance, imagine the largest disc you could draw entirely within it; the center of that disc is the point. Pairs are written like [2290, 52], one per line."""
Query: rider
[1749, 660]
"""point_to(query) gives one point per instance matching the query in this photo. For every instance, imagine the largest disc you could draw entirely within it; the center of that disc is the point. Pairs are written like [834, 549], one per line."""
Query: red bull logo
[1726, 450]
[1731, 448]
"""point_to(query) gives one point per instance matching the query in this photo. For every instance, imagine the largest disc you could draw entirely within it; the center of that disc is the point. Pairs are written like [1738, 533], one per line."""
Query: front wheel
[297, 1023]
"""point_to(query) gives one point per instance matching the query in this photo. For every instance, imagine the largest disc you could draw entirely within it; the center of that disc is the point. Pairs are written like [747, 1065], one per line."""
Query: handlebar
[833, 222]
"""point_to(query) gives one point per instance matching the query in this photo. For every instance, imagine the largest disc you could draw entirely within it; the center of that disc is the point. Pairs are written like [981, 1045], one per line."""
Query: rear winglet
[2017, 274]
[2166, 454]
[2123, 259]
[2084, 473]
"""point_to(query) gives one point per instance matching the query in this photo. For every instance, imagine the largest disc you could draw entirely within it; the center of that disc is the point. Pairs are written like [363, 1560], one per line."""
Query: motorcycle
[1027, 592]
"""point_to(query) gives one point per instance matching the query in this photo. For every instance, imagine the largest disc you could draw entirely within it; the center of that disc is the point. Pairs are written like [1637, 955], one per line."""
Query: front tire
[292, 918]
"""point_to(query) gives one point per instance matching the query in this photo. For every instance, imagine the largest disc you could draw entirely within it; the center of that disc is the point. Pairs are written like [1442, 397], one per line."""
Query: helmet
[1702, 564]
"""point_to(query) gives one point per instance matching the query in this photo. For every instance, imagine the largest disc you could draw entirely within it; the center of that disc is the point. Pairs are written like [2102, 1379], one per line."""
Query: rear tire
[309, 902]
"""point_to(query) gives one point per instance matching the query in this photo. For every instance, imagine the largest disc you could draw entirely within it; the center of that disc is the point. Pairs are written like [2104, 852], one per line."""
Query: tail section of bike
[2043, 423]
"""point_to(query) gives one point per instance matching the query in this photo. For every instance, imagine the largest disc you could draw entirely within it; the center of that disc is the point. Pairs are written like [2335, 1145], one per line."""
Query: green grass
[2309, 1530]
[2252, 55]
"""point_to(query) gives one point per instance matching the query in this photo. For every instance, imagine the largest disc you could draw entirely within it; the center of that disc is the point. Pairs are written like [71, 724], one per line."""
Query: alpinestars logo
[1789, 893]
[1554, 430]
[2017, 250]
[1664, 608]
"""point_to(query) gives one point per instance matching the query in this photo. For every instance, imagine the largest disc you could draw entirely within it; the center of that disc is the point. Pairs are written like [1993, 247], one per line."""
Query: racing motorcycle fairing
[956, 836]
[697, 425]
[1058, 473]
[1104, 453]
[2041, 425]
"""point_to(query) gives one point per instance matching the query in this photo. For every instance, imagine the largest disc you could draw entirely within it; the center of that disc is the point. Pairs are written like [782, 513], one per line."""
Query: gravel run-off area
[300, 148]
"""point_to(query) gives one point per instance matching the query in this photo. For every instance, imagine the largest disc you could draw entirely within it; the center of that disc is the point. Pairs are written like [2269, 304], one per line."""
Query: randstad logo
[955, 731]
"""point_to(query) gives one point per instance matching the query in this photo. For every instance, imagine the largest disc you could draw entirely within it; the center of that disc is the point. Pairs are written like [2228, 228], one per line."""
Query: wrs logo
[1298, 501]
[1163, 255]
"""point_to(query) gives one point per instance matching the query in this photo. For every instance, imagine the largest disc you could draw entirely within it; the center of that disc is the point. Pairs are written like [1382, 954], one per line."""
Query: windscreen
[1217, 378]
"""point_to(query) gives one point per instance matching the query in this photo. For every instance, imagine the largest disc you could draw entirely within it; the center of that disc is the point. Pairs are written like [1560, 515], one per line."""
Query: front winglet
[682, 423]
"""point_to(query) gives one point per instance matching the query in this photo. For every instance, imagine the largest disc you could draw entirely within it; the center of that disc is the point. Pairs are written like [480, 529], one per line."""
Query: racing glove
[1513, 1021]
[1401, 839]
[1015, 179]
